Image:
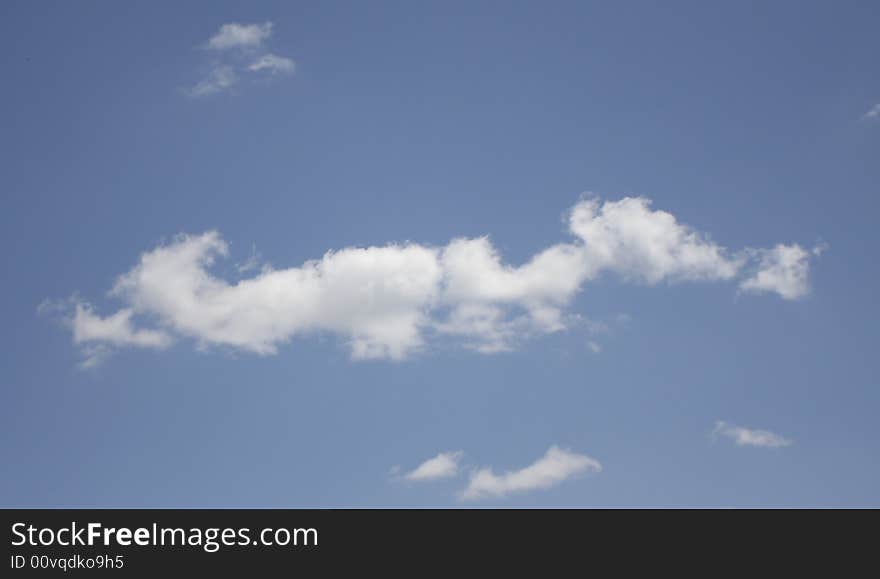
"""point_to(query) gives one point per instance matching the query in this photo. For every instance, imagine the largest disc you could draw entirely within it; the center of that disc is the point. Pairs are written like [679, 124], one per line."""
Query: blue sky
[714, 347]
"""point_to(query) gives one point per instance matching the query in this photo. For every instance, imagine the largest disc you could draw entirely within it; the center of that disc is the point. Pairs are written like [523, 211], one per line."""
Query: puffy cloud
[444, 465]
[388, 301]
[493, 304]
[374, 296]
[749, 437]
[272, 63]
[556, 466]
[631, 239]
[783, 269]
[236, 35]
[474, 273]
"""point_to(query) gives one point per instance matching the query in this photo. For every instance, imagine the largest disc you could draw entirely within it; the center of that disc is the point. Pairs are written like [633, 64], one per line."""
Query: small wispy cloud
[239, 51]
[219, 79]
[556, 466]
[444, 465]
[98, 337]
[238, 36]
[749, 437]
[273, 64]
[254, 262]
[873, 113]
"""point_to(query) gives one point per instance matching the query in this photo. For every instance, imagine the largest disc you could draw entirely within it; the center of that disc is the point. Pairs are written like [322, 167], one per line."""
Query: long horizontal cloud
[556, 466]
[388, 301]
[742, 436]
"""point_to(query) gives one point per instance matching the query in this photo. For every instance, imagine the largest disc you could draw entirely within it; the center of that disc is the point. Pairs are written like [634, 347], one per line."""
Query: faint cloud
[273, 64]
[595, 329]
[748, 436]
[221, 78]
[444, 465]
[93, 356]
[873, 113]
[253, 262]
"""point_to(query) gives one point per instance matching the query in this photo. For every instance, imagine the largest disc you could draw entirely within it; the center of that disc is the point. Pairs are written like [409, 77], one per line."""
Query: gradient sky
[424, 122]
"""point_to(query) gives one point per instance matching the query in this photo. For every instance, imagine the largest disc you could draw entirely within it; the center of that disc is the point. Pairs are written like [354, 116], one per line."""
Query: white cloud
[444, 465]
[492, 304]
[115, 329]
[873, 112]
[97, 336]
[783, 269]
[236, 35]
[749, 437]
[219, 79]
[273, 64]
[239, 50]
[637, 242]
[374, 296]
[556, 466]
[388, 301]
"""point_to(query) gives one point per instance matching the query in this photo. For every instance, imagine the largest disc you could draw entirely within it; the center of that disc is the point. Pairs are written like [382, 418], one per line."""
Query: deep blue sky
[422, 122]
